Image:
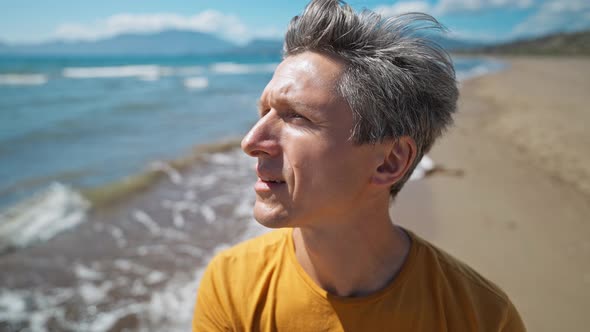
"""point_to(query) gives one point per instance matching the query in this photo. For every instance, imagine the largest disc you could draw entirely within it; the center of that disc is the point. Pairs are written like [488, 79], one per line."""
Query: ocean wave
[23, 79]
[142, 72]
[480, 70]
[196, 83]
[41, 217]
[237, 68]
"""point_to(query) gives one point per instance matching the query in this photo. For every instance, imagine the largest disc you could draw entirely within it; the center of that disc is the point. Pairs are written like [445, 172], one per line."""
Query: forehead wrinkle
[281, 94]
[293, 78]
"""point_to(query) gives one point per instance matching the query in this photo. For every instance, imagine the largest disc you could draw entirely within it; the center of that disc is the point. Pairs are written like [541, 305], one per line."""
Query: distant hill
[260, 47]
[573, 43]
[271, 47]
[170, 42]
[452, 44]
[173, 43]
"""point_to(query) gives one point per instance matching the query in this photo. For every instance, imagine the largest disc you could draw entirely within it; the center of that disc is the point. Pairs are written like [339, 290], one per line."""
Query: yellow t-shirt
[259, 286]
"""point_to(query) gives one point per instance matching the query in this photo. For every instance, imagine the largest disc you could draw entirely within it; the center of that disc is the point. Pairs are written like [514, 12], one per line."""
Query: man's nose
[262, 139]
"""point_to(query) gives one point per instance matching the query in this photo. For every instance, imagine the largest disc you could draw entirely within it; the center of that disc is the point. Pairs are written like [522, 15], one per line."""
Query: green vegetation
[572, 43]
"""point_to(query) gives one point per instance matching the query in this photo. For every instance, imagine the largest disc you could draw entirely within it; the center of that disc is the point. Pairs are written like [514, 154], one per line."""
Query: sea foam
[146, 72]
[196, 83]
[41, 217]
[237, 68]
[143, 72]
[23, 79]
[480, 70]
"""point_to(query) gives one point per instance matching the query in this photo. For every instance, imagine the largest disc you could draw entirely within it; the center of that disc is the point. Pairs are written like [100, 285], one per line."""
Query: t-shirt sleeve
[211, 309]
[513, 322]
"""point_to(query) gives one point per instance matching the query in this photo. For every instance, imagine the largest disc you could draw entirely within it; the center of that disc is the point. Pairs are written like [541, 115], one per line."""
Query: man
[348, 114]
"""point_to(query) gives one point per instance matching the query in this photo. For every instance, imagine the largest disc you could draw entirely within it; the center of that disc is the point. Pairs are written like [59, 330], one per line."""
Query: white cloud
[443, 7]
[556, 15]
[458, 6]
[209, 21]
[404, 7]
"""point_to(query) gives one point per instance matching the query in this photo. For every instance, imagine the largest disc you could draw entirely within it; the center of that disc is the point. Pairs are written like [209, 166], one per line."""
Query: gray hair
[396, 80]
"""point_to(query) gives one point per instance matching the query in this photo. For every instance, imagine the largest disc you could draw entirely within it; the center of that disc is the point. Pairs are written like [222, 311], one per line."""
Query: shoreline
[518, 213]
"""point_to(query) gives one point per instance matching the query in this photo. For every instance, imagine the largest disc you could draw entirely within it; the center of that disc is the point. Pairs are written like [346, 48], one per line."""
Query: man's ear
[399, 156]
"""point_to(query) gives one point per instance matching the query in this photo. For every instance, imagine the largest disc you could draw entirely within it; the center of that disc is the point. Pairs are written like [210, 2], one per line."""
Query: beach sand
[512, 197]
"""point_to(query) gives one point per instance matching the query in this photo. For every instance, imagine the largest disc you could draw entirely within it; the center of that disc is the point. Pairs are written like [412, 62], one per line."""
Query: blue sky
[240, 21]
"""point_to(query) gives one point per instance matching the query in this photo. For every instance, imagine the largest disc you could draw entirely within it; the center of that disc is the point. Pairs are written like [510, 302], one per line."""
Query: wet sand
[514, 200]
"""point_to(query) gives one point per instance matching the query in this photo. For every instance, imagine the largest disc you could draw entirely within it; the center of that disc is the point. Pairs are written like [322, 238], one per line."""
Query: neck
[355, 257]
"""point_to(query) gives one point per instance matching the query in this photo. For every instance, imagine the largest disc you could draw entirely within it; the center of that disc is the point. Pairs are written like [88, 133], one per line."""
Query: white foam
[155, 277]
[152, 249]
[479, 70]
[426, 165]
[174, 176]
[244, 208]
[144, 219]
[208, 213]
[32, 307]
[106, 320]
[41, 217]
[23, 79]
[173, 234]
[203, 182]
[190, 250]
[149, 72]
[221, 200]
[84, 272]
[179, 295]
[92, 294]
[11, 304]
[178, 219]
[196, 83]
[128, 266]
[146, 72]
[117, 234]
[138, 288]
[222, 159]
[237, 68]
[190, 195]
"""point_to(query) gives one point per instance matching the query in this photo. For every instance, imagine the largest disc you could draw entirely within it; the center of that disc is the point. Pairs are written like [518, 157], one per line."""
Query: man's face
[309, 169]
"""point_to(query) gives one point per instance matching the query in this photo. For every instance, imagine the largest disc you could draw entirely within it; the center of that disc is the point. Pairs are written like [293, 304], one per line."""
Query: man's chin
[272, 218]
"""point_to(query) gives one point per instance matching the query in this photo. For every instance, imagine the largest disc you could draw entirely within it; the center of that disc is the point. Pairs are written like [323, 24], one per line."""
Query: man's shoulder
[462, 280]
[465, 296]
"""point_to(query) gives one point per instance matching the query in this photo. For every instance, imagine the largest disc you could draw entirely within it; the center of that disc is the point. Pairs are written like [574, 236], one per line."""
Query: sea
[120, 177]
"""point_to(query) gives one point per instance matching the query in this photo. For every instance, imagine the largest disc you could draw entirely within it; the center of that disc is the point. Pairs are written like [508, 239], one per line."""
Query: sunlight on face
[308, 167]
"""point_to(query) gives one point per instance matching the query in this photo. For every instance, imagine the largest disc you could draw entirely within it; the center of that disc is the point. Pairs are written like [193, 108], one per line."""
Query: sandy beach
[512, 196]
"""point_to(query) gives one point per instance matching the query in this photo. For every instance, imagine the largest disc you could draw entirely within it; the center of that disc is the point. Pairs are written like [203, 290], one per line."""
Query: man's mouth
[267, 185]
[272, 181]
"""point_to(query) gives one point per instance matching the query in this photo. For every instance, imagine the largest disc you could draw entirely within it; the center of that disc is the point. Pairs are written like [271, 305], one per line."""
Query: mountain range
[169, 43]
[172, 42]
[562, 43]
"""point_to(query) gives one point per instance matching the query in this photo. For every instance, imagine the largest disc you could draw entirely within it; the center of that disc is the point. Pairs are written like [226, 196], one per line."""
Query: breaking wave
[41, 217]
[237, 68]
[143, 72]
[23, 79]
[196, 83]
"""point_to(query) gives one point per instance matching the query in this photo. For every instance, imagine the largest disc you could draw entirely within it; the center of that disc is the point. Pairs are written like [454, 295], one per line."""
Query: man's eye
[295, 115]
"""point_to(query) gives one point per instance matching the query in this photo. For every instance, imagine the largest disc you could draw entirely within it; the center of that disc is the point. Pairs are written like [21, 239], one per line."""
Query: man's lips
[268, 185]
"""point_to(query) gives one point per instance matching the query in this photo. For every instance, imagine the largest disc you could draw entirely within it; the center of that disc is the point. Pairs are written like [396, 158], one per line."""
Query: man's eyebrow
[296, 105]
